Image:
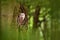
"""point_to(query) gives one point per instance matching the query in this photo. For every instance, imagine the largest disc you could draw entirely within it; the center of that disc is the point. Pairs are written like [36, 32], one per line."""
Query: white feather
[22, 15]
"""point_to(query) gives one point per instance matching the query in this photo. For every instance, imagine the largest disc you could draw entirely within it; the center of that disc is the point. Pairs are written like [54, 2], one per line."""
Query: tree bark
[36, 17]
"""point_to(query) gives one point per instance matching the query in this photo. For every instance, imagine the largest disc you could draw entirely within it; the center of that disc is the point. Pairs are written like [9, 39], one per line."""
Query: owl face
[21, 18]
[22, 15]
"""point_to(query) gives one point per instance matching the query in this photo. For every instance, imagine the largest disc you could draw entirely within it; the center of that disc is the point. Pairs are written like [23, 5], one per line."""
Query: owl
[21, 18]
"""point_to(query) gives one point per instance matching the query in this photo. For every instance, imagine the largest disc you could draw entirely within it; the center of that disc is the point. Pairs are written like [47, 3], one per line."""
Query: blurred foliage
[50, 9]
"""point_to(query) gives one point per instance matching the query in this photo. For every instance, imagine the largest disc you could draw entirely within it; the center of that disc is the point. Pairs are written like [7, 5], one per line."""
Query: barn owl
[21, 18]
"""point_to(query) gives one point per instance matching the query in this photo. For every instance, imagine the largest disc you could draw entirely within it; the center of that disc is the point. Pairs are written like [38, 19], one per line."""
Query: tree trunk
[36, 17]
[35, 30]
